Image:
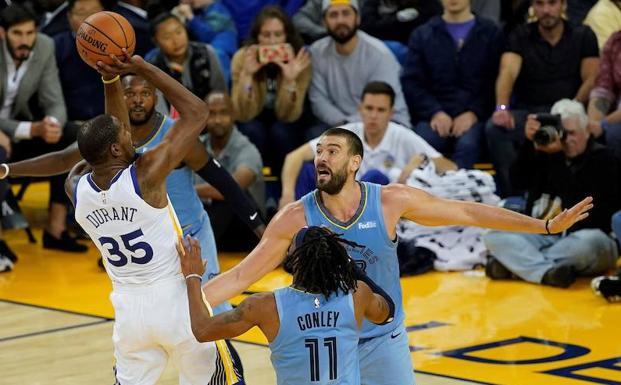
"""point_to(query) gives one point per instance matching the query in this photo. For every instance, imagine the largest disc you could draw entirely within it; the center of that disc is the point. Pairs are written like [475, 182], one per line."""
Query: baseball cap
[327, 3]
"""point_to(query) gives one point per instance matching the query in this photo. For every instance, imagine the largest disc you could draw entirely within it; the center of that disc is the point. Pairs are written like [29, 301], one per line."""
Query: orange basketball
[102, 34]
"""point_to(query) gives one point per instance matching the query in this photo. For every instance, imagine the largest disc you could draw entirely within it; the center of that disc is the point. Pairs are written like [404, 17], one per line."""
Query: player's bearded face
[330, 180]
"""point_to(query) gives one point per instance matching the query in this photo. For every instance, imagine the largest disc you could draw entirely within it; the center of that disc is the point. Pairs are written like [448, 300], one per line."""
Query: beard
[335, 184]
[147, 116]
[344, 35]
[21, 56]
[549, 22]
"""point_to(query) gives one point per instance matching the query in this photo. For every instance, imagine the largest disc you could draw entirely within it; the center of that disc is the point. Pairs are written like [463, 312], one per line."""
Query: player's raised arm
[265, 257]
[157, 163]
[52, 163]
[229, 324]
[427, 210]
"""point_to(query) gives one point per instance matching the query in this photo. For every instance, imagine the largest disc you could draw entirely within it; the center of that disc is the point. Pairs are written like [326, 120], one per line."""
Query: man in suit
[32, 111]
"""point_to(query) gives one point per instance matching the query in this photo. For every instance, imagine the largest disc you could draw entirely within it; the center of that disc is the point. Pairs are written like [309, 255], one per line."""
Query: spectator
[544, 61]
[134, 11]
[448, 80]
[244, 12]
[193, 64]
[33, 112]
[268, 96]
[209, 21]
[395, 20]
[81, 85]
[604, 19]
[344, 62]
[391, 151]
[242, 160]
[558, 174]
[605, 99]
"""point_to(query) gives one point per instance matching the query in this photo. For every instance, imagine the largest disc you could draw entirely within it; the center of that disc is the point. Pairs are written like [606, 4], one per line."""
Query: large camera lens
[544, 135]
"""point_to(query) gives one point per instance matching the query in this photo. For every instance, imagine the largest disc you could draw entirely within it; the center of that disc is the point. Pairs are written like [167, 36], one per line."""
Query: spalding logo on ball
[102, 34]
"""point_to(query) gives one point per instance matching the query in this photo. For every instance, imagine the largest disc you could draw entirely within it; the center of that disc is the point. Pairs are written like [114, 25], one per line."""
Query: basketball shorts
[152, 326]
[386, 360]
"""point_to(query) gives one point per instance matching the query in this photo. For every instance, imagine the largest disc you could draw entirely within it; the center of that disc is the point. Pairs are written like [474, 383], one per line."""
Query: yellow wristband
[114, 79]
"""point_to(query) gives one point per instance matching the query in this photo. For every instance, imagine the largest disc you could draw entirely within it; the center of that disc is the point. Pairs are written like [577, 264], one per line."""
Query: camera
[551, 127]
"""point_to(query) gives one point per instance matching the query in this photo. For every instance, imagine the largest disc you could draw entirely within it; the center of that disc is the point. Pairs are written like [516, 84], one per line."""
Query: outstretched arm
[155, 165]
[425, 209]
[228, 324]
[52, 163]
[265, 257]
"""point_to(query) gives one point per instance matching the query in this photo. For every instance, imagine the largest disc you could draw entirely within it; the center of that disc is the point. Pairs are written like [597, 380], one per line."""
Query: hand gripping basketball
[120, 65]
[103, 34]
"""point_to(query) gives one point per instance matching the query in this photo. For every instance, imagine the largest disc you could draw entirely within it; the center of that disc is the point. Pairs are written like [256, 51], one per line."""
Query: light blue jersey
[188, 206]
[383, 349]
[378, 257]
[317, 342]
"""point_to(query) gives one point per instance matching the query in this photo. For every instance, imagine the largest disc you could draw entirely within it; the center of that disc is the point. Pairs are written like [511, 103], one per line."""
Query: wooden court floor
[56, 325]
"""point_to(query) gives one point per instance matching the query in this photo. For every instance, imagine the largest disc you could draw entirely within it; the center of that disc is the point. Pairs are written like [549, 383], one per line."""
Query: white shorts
[152, 325]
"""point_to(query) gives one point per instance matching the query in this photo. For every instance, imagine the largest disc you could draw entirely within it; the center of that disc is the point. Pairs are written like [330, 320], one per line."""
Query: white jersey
[137, 241]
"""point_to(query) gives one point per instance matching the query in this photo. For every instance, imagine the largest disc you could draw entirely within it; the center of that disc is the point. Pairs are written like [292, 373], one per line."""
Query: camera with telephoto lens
[551, 127]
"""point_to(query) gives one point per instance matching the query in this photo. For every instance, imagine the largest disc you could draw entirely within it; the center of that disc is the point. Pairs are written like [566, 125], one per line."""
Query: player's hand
[567, 218]
[122, 64]
[189, 250]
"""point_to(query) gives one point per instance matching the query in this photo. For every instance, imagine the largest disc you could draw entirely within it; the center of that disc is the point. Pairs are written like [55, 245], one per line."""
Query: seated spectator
[609, 287]
[81, 85]
[33, 113]
[242, 160]
[391, 151]
[448, 80]
[558, 173]
[193, 64]
[268, 95]
[244, 12]
[344, 62]
[605, 98]
[604, 19]
[209, 21]
[544, 61]
[393, 21]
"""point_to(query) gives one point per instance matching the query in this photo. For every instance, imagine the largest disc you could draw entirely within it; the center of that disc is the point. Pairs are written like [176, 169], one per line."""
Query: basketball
[102, 34]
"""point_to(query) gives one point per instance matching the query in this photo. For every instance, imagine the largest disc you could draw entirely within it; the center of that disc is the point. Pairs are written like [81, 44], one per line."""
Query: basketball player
[124, 207]
[367, 214]
[312, 325]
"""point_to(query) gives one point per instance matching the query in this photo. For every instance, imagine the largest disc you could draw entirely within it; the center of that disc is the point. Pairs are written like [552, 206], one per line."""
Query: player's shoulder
[258, 305]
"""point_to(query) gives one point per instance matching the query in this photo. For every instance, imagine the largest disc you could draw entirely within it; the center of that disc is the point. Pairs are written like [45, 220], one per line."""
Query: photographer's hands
[531, 126]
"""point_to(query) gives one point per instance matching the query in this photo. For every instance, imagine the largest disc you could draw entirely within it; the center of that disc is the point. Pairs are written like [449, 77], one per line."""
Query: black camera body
[551, 127]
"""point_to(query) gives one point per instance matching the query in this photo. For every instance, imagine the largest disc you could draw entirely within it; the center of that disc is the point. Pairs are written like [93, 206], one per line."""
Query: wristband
[6, 170]
[193, 276]
[502, 107]
[547, 229]
[114, 79]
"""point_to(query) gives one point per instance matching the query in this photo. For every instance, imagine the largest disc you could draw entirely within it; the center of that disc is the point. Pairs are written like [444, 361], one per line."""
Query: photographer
[559, 167]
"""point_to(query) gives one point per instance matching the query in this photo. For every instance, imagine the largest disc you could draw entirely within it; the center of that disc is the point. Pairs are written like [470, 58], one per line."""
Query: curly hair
[320, 263]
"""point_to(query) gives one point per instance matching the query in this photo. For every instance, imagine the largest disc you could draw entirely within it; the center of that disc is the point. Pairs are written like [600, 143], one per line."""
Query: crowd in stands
[454, 82]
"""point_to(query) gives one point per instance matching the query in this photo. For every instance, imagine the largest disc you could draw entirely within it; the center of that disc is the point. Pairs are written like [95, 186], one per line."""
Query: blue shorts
[386, 360]
[205, 236]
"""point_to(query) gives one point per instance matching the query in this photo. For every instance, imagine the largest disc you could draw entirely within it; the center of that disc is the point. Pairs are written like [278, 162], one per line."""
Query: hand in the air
[189, 250]
[568, 217]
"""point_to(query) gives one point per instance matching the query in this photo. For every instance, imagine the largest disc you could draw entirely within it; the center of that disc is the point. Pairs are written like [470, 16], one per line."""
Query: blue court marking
[55, 309]
[49, 331]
